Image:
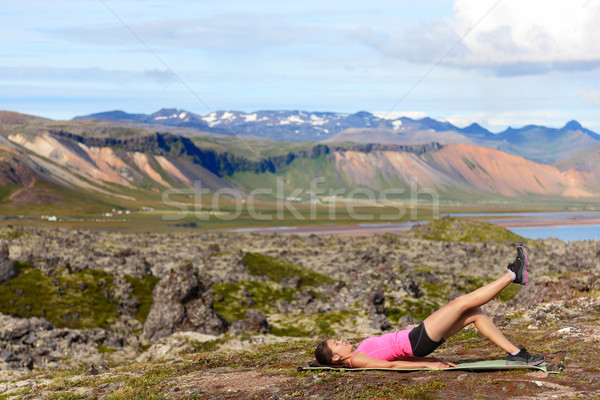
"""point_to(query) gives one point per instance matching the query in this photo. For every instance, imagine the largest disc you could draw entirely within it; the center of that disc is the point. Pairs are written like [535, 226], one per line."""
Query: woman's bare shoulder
[360, 360]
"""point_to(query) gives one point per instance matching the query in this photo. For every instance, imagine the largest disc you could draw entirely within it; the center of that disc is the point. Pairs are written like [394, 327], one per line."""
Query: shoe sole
[518, 363]
[526, 263]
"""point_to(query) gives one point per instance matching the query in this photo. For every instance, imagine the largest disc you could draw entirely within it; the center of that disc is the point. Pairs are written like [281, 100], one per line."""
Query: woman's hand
[361, 360]
[437, 363]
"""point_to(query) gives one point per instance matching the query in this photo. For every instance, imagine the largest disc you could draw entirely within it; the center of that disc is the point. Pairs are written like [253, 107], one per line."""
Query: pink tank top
[389, 346]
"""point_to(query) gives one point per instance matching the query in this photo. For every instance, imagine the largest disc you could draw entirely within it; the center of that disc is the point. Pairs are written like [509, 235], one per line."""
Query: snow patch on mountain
[211, 119]
[316, 120]
[391, 127]
[292, 119]
[228, 116]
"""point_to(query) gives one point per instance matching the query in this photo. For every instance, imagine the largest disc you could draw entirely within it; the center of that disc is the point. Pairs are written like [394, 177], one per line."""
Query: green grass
[294, 330]
[299, 174]
[105, 349]
[421, 308]
[435, 289]
[234, 299]
[77, 300]
[277, 269]
[325, 322]
[142, 291]
[209, 346]
[67, 201]
[394, 314]
[393, 389]
[451, 229]
[508, 293]
[248, 147]
[467, 284]
[7, 190]
[465, 334]
[11, 234]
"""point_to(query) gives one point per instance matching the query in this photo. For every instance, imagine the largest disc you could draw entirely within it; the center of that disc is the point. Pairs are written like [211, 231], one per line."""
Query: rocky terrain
[89, 314]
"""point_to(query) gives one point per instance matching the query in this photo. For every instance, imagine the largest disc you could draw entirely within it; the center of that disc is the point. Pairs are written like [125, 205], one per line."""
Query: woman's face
[339, 348]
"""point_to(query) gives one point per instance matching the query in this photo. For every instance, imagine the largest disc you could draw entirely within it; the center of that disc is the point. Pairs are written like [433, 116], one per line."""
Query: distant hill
[460, 168]
[537, 143]
[47, 168]
[87, 163]
[546, 145]
[583, 166]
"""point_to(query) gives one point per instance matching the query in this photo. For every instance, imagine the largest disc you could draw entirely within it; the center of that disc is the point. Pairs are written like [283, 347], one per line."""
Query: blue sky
[498, 63]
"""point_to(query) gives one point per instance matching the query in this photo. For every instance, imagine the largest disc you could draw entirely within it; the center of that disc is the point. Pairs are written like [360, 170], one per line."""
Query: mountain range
[114, 159]
[535, 142]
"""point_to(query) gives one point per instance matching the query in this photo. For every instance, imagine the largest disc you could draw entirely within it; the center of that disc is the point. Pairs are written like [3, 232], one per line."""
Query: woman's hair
[323, 354]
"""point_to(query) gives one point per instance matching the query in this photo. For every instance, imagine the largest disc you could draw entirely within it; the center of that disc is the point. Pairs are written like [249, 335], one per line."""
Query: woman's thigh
[444, 319]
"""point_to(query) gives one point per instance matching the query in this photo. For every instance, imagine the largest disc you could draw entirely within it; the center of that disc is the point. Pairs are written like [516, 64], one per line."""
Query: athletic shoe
[519, 266]
[524, 358]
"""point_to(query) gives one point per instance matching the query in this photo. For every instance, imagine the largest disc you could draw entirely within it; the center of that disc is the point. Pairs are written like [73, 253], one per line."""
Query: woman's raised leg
[441, 323]
[466, 309]
[444, 322]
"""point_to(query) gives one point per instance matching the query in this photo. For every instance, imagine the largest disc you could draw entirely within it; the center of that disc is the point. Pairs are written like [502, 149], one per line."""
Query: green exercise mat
[491, 365]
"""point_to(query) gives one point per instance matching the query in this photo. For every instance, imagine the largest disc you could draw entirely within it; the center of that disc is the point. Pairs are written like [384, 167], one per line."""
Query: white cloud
[94, 74]
[515, 37]
[391, 115]
[590, 95]
[530, 32]
[241, 31]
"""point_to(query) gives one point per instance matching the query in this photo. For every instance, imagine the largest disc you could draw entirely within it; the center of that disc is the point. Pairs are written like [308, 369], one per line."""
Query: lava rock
[376, 300]
[16, 328]
[181, 302]
[7, 267]
[376, 310]
[253, 322]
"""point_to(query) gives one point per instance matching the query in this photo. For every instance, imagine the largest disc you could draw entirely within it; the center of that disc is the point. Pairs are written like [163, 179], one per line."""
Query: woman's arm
[361, 360]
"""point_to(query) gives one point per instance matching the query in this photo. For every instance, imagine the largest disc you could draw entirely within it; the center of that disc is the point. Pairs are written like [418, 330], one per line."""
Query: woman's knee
[477, 311]
[473, 315]
[464, 306]
[461, 303]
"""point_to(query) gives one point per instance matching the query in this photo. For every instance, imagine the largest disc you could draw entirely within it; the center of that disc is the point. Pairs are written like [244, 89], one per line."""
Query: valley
[83, 168]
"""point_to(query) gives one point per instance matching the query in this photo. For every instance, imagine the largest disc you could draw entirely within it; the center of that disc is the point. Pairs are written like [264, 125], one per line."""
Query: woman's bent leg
[443, 320]
[485, 327]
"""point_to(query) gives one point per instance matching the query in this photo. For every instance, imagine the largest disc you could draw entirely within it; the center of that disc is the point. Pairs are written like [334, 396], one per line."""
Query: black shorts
[421, 343]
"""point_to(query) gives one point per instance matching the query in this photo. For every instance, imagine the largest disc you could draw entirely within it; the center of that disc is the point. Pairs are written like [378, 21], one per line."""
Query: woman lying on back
[409, 348]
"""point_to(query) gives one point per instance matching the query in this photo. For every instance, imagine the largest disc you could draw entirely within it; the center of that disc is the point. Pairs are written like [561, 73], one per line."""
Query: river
[567, 226]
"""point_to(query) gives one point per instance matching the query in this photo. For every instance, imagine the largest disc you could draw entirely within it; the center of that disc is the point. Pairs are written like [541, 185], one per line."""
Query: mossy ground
[277, 269]
[78, 300]
[270, 371]
[234, 299]
[142, 291]
[11, 233]
[452, 229]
